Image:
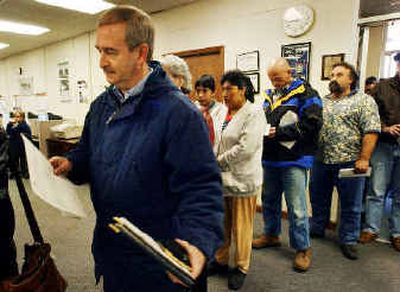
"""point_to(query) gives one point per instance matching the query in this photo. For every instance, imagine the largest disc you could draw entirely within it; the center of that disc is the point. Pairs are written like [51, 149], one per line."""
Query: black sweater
[387, 96]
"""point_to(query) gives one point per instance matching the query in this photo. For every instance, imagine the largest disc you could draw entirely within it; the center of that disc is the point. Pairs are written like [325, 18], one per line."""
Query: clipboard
[349, 173]
[155, 249]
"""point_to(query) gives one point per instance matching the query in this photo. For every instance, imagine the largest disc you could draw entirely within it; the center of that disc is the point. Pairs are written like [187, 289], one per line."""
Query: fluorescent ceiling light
[85, 6]
[14, 27]
[3, 45]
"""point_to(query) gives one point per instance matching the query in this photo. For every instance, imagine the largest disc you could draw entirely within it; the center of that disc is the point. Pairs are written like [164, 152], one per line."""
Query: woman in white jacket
[239, 156]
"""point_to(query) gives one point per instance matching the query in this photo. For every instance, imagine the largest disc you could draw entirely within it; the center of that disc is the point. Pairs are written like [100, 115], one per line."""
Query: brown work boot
[266, 241]
[302, 260]
[396, 243]
[367, 237]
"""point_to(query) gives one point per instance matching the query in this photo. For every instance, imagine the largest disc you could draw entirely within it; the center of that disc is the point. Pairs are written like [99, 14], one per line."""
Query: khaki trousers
[239, 218]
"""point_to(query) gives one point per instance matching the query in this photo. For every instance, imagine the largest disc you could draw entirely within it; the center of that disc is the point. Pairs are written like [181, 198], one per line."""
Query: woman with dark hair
[239, 157]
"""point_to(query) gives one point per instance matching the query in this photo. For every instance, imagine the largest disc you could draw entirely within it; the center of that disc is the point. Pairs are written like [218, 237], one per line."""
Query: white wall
[241, 26]
[42, 64]
[238, 25]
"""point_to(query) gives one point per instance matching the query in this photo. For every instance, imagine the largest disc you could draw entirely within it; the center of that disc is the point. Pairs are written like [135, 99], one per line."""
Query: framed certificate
[327, 63]
[249, 61]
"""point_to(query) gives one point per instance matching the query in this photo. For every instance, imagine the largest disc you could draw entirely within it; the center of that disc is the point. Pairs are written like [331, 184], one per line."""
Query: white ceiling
[62, 23]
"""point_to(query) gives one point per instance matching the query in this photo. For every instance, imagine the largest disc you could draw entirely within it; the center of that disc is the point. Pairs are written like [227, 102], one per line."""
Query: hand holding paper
[54, 190]
[61, 165]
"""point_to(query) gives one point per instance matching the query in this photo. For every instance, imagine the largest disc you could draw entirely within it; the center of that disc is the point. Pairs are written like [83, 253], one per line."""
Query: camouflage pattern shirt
[345, 122]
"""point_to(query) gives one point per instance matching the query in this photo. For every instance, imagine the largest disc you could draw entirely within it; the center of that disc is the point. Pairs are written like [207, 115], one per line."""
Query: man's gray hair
[139, 27]
[178, 67]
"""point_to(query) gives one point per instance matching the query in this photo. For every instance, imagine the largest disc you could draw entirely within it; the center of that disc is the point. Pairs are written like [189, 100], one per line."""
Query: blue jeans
[292, 181]
[323, 178]
[385, 177]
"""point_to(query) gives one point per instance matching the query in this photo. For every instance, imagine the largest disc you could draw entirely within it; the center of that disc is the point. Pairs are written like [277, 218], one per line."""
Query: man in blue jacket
[146, 154]
[294, 110]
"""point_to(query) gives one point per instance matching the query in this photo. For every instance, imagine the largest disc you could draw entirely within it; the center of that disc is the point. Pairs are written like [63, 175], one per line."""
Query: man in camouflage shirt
[347, 139]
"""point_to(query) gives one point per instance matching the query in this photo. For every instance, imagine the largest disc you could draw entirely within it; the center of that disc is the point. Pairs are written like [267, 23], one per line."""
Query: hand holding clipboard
[171, 254]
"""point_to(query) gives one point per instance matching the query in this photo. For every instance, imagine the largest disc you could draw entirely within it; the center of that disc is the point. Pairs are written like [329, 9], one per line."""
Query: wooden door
[205, 61]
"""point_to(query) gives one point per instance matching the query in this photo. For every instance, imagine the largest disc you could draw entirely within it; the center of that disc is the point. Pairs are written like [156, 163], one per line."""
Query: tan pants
[239, 218]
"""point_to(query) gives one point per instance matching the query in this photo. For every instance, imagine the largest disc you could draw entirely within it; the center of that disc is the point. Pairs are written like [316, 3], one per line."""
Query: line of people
[294, 112]
[307, 133]
[149, 156]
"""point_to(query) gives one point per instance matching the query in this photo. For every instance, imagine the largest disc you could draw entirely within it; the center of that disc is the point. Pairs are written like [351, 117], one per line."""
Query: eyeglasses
[230, 88]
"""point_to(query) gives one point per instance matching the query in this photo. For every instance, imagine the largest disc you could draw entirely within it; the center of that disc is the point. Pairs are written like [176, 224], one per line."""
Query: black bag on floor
[39, 273]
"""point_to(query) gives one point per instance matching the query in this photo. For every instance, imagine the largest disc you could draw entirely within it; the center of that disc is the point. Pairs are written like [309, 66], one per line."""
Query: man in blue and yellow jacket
[146, 154]
[294, 111]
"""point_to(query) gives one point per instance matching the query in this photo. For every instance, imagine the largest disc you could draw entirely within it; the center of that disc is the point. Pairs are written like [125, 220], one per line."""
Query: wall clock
[297, 20]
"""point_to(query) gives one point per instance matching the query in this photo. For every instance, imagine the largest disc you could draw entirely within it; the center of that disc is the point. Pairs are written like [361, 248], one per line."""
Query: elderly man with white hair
[294, 110]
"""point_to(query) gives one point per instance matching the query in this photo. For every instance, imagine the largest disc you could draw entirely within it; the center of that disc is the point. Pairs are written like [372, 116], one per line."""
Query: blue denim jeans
[323, 178]
[385, 177]
[292, 181]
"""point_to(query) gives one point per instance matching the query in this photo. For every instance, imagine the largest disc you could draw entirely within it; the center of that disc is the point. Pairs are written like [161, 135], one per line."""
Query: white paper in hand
[350, 173]
[289, 118]
[267, 129]
[54, 190]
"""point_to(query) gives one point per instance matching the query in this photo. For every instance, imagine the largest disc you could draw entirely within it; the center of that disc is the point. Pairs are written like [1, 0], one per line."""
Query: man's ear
[143, 50]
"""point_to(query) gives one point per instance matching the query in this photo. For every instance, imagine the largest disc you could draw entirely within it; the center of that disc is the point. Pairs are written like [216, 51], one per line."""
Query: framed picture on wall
[25, 85]
[63, 81]
[327, 63]
[255, 80]
[249, 61]
[298, 56]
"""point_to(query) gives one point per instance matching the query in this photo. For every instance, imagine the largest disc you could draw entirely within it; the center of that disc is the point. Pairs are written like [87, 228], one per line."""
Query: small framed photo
[298, 57]
[327, 63]
[249, 61]
[255, 80]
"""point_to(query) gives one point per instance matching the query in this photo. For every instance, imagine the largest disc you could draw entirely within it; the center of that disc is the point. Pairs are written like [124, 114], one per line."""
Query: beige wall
[256, 25]
[41, 64]
[238, 25]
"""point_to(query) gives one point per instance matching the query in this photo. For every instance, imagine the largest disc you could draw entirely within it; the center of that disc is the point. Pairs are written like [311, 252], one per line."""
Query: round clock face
[297, 20]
